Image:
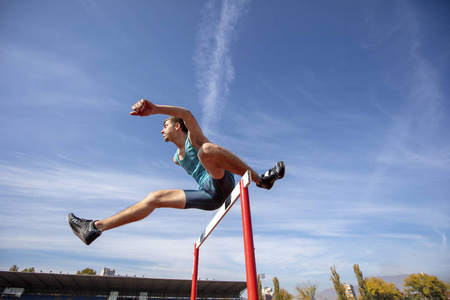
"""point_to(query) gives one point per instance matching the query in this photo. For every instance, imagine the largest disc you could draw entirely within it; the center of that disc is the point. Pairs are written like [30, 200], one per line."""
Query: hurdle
[240, 190]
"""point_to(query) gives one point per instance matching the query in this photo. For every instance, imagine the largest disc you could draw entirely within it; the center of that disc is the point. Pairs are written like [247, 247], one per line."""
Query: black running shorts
[211, 194]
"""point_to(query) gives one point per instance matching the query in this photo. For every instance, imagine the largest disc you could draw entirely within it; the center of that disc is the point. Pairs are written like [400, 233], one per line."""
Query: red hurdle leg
[249, 248]
[195, 274]
[238, 191]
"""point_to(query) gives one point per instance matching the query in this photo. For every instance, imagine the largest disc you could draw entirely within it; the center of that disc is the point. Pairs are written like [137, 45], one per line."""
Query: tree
[14, 268]
[377, 288]
[418, 286]
[363, 294]
[306, 291]
[276, 289]
[87, 271]
[284, 295]
[30, 270]
[260, 295]
[338, 286]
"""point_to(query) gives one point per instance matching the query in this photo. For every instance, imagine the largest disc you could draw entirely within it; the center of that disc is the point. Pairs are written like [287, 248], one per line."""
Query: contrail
[215, 70]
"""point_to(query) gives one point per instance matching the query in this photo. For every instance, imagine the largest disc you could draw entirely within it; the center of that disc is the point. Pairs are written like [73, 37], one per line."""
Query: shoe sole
[74, 230]
[282, 171]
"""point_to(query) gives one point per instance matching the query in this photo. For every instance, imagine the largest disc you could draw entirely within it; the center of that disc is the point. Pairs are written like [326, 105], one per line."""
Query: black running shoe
[269, 178]
[84, 229]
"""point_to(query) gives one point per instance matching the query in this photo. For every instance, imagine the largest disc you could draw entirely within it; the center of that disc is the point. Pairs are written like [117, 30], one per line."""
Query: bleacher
[51, 297]
[51, 286]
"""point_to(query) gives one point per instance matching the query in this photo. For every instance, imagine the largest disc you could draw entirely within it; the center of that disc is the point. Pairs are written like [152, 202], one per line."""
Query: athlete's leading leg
[217, 159]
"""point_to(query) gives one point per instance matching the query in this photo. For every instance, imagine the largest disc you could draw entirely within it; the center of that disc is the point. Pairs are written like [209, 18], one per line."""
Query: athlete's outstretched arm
[145, 108]
[214, 158]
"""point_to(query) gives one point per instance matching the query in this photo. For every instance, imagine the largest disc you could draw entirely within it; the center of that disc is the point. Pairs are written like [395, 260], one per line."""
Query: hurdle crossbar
[240, 190]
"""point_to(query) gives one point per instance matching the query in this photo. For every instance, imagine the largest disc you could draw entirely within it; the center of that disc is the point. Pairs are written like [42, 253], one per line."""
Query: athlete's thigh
[169, 198]
[212, 193]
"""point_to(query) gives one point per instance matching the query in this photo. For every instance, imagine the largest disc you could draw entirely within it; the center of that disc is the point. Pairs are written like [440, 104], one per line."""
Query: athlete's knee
[153, 199]
[208, 151]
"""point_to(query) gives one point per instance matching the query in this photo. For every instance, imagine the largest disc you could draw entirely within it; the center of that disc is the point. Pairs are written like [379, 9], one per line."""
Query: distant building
[267, 293]
[349, 291]
[108, 272]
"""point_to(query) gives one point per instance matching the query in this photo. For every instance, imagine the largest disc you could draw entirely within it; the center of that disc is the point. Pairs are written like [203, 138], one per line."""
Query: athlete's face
[168, 130]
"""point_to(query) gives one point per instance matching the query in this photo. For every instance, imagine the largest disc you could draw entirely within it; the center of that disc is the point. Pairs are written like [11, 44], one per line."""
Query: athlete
[211, 165]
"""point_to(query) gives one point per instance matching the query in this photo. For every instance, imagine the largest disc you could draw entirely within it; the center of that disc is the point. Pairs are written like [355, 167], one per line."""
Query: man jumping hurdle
[212, 166]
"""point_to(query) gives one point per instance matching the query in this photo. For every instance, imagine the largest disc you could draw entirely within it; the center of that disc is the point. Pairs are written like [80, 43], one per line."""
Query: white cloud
[443, 237]
[214, 59]
[61, 181]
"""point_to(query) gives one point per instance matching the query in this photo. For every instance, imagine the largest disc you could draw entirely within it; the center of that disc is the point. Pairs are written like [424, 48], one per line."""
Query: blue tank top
[191, 163]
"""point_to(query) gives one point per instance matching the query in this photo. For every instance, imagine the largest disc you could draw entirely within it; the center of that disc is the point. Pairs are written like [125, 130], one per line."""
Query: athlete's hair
[175, 120]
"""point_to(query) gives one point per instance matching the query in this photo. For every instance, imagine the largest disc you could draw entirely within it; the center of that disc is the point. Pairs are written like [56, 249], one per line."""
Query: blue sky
[352, 95]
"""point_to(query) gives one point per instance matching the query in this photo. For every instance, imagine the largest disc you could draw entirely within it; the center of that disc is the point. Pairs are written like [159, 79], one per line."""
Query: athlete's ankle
[258, 181]
[268, 179]
[256, 178]
[98, 225]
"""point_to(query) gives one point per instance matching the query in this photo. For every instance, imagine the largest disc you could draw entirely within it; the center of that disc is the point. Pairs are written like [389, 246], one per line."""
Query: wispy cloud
[47, 78]
[213, 56]
[414, 139]
[60, 181]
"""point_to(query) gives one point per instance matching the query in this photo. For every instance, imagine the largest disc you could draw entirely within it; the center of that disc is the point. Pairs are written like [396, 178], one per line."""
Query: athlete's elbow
[188, 114]
[188, 117]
